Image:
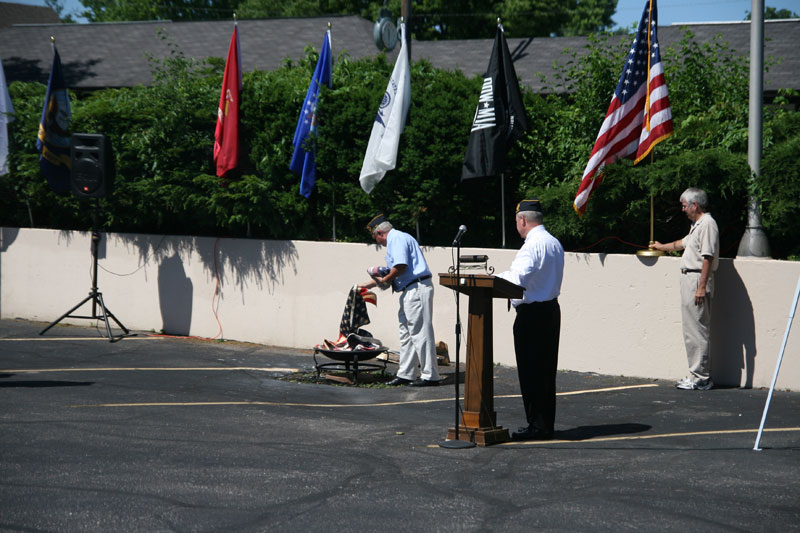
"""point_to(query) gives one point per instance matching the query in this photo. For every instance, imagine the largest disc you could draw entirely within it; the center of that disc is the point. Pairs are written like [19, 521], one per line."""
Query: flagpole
[502, 186]
[333, 199]
[650, 252]
[503, 206]
[333, 181]
[238, 51]
[405, 18]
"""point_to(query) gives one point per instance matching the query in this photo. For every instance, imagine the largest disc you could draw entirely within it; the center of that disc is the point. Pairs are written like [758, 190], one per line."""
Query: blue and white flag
[304, 156]
[6, 116]
[381, 153]
[53, 140]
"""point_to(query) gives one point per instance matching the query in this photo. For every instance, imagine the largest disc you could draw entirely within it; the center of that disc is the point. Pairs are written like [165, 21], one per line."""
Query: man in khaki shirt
[698, 264]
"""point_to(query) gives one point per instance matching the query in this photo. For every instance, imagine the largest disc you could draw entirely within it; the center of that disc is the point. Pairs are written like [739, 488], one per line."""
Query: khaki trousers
[417, 345]
[696, 321]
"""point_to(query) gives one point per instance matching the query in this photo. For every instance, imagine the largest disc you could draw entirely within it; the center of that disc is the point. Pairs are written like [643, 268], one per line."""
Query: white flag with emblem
[381, 153]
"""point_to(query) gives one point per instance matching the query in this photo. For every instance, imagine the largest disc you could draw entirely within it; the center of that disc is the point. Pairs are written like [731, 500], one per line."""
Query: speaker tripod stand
[94, 295]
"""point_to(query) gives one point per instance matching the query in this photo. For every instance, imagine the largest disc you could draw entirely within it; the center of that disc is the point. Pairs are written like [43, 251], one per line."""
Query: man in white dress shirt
[539, 268]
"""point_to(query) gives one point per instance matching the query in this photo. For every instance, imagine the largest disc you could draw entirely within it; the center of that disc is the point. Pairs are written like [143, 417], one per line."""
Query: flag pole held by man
[226, 135]
[304, 155]
[639, 115]
[53, 140]
[381, 155]
[500, 118]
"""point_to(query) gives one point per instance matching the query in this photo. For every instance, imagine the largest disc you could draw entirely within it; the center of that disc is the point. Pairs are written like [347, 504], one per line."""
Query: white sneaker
[695, 385]
[683, 381]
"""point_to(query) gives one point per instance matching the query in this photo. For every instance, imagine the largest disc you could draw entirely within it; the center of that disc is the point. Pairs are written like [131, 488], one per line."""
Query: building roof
[11, 13]
[115, 54]
[535, 56]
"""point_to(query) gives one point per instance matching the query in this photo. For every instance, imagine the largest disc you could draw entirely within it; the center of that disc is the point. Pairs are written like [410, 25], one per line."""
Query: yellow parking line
[150, 369]
[126, 337]
[332, 405]
[590, 391]
[277, 404]
[645, 437]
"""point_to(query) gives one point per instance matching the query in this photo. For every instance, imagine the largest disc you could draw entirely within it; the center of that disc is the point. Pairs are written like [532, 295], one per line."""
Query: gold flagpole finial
[329, 26]
[402, 20]
[53, 39]
[235, 17]
[498, 21]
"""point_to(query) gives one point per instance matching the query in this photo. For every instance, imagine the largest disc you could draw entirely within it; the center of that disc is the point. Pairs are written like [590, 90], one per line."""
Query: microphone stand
[456, 443]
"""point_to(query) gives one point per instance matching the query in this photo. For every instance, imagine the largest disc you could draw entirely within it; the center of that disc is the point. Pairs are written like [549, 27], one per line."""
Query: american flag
[639, 115]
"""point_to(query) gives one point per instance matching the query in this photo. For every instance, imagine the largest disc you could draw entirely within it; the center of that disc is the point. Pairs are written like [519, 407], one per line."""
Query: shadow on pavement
[591, 432]
[41, 384]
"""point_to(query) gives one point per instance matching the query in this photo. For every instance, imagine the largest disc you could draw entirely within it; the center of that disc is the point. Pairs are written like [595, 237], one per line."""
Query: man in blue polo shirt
[409, 275]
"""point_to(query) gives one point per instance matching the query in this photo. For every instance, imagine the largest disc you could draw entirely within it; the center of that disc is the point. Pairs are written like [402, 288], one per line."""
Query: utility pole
[754, 241]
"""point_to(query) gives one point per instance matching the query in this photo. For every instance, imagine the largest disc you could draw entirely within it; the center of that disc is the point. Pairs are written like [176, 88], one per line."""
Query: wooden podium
[478, 420]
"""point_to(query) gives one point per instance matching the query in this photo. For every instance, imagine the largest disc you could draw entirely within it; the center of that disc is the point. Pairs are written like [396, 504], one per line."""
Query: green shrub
[163, 141]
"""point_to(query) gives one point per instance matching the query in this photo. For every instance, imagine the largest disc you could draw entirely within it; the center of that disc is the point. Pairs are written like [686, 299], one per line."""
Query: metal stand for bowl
[350, 361]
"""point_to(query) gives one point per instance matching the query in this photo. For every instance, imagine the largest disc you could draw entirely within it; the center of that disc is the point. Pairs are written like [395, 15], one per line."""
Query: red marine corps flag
[639, 115]
[226, 136]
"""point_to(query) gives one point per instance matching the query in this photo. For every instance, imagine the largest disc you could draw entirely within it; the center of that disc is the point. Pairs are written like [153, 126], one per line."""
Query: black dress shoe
[398, 381]
[419, 382]
[530, 433]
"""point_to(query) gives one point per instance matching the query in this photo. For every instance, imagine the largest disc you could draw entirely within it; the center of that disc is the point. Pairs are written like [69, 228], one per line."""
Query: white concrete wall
[620, 313]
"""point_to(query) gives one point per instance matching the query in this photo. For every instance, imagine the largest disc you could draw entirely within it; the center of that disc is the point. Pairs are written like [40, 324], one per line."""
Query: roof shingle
[12, 13]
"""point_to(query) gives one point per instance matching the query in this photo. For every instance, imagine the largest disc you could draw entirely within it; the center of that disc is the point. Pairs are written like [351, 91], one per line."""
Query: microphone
[461, 231]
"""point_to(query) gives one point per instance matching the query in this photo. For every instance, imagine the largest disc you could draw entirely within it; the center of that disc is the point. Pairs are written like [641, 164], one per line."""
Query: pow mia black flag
[499, 118]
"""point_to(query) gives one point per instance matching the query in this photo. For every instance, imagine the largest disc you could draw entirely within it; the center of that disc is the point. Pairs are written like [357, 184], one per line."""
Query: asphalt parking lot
[154, 433]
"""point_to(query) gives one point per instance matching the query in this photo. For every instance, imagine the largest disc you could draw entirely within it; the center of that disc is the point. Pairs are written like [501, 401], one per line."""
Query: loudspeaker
[92, 173]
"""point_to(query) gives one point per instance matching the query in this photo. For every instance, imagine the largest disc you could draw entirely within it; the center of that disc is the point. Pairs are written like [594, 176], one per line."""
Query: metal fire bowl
[351, 355]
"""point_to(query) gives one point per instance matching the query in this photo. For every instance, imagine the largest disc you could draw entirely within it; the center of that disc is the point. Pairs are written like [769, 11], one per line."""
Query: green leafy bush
[163, 141]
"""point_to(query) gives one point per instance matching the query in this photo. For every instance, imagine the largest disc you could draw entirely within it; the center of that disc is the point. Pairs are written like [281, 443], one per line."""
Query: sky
[678, 11]
[628, 11]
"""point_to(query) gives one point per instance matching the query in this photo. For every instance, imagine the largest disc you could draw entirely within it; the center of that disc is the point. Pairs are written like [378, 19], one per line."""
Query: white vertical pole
[778, 365]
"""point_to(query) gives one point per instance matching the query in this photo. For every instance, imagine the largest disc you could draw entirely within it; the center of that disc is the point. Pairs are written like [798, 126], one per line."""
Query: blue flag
[53, 139]
[303, 161]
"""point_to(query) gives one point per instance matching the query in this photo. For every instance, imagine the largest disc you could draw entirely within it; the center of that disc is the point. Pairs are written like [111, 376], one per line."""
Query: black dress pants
[536, 333]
